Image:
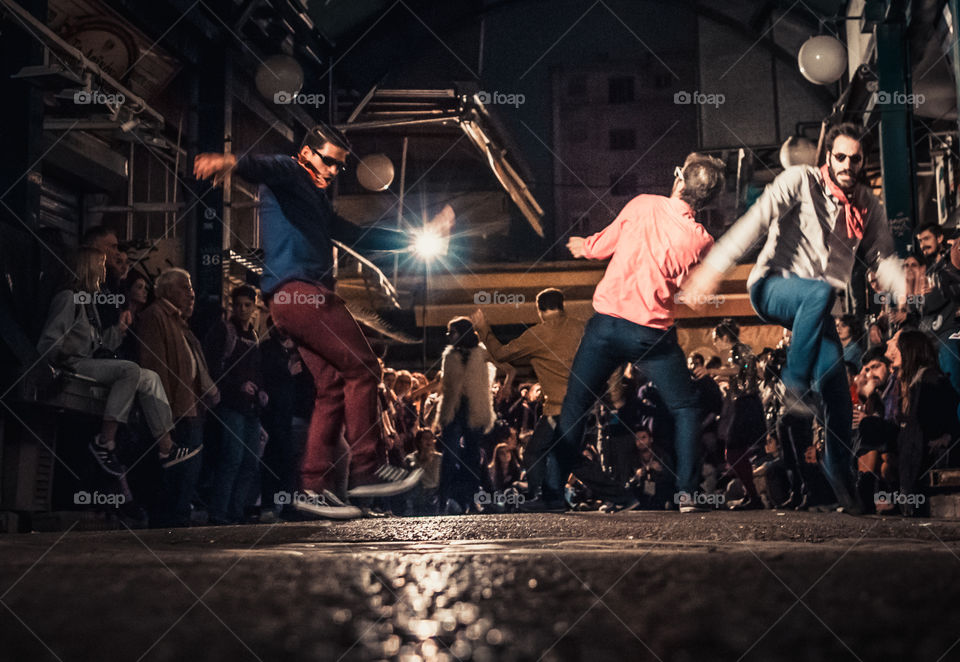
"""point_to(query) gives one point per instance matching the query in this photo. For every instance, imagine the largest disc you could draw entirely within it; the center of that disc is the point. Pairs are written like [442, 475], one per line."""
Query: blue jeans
[235, 477]
[814, 361]
[607, 343]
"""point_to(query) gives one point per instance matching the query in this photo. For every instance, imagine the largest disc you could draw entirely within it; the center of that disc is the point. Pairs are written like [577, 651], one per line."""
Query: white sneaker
[319, 505]
[390, 481]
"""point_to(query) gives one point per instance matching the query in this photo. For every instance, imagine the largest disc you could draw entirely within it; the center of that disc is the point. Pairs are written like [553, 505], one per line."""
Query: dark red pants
[346, 373]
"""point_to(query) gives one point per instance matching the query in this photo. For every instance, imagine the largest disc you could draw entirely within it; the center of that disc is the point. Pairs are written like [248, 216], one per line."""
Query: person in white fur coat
[466, 413]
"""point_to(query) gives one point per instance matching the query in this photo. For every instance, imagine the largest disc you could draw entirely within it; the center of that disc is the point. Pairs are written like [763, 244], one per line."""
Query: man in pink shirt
[652, 245]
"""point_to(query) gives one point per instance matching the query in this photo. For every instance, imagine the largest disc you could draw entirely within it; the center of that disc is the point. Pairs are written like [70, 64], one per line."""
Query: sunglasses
[329, 161]
[678, 173]
[854, 158]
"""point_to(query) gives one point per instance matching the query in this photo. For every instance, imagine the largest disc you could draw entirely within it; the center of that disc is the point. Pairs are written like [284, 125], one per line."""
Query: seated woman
[73, 338]
[926, 413]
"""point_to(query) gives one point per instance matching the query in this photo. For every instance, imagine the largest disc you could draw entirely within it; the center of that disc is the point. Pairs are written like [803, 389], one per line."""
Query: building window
[623, 139]
[623, 184]
[575, 132]
[620, 89]
[576, 87]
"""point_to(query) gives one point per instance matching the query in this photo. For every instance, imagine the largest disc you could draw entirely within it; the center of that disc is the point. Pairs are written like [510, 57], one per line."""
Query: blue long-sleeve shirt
[298, 223]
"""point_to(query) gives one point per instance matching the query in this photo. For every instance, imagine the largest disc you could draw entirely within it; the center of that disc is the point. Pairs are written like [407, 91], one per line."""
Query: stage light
[428, 245]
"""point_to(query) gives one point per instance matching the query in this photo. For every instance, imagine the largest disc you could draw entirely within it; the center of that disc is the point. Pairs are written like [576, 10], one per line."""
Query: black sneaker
[177, 455]
[390, 481]
[541, 505]
[107, 459]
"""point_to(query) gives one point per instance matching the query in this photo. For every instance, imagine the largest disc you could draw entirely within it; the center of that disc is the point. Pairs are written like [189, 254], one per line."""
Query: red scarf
[314, 175]
[853, 214]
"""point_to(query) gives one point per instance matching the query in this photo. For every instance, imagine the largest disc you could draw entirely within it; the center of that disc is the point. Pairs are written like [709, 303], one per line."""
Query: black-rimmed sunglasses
[329, 161]
[854, 158]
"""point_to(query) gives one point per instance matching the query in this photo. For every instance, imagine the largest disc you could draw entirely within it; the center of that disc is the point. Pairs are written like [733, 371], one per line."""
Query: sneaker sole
[105, 467]
[388, 489]
[328, 512]
[173, 463]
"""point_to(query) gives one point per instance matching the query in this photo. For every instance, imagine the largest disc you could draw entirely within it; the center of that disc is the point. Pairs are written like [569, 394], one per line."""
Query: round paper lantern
[279, 78]
[822, 60]
[375, 172]
[797, 150]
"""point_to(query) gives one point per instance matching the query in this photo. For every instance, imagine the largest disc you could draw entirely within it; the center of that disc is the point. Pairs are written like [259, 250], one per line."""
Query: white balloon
[279, 75]
[375, 172]
[822, 60]
[797, 150]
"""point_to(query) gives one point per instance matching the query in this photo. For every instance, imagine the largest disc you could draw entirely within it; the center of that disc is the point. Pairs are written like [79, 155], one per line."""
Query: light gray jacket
[804, 233]
[68, 335]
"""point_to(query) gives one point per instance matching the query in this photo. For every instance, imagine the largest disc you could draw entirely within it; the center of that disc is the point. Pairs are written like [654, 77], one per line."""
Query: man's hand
[125, 321]
[575, 246]
[212, 397]
[479, 320]
[701, 284]
[213, 165]
[442, 223]
[858, 416]
[249, 388]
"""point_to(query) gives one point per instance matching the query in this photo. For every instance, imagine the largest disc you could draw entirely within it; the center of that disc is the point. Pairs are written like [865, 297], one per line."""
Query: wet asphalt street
[584, 586]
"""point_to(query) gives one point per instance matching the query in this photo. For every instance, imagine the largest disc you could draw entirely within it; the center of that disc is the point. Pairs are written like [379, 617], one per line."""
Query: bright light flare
[429, 245]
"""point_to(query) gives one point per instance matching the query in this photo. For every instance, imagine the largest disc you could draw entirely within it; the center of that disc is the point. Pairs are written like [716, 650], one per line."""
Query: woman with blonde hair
[73, 338]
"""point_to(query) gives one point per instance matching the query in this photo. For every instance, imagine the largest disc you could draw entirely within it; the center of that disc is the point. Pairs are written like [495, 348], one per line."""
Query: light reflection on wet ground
[643, 588]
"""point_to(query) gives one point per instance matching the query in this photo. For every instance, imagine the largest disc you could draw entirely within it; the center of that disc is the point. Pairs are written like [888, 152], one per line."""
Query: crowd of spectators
[224, 417]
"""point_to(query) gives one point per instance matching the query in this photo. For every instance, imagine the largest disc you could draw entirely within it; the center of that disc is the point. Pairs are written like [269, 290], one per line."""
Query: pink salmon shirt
[654, 243]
